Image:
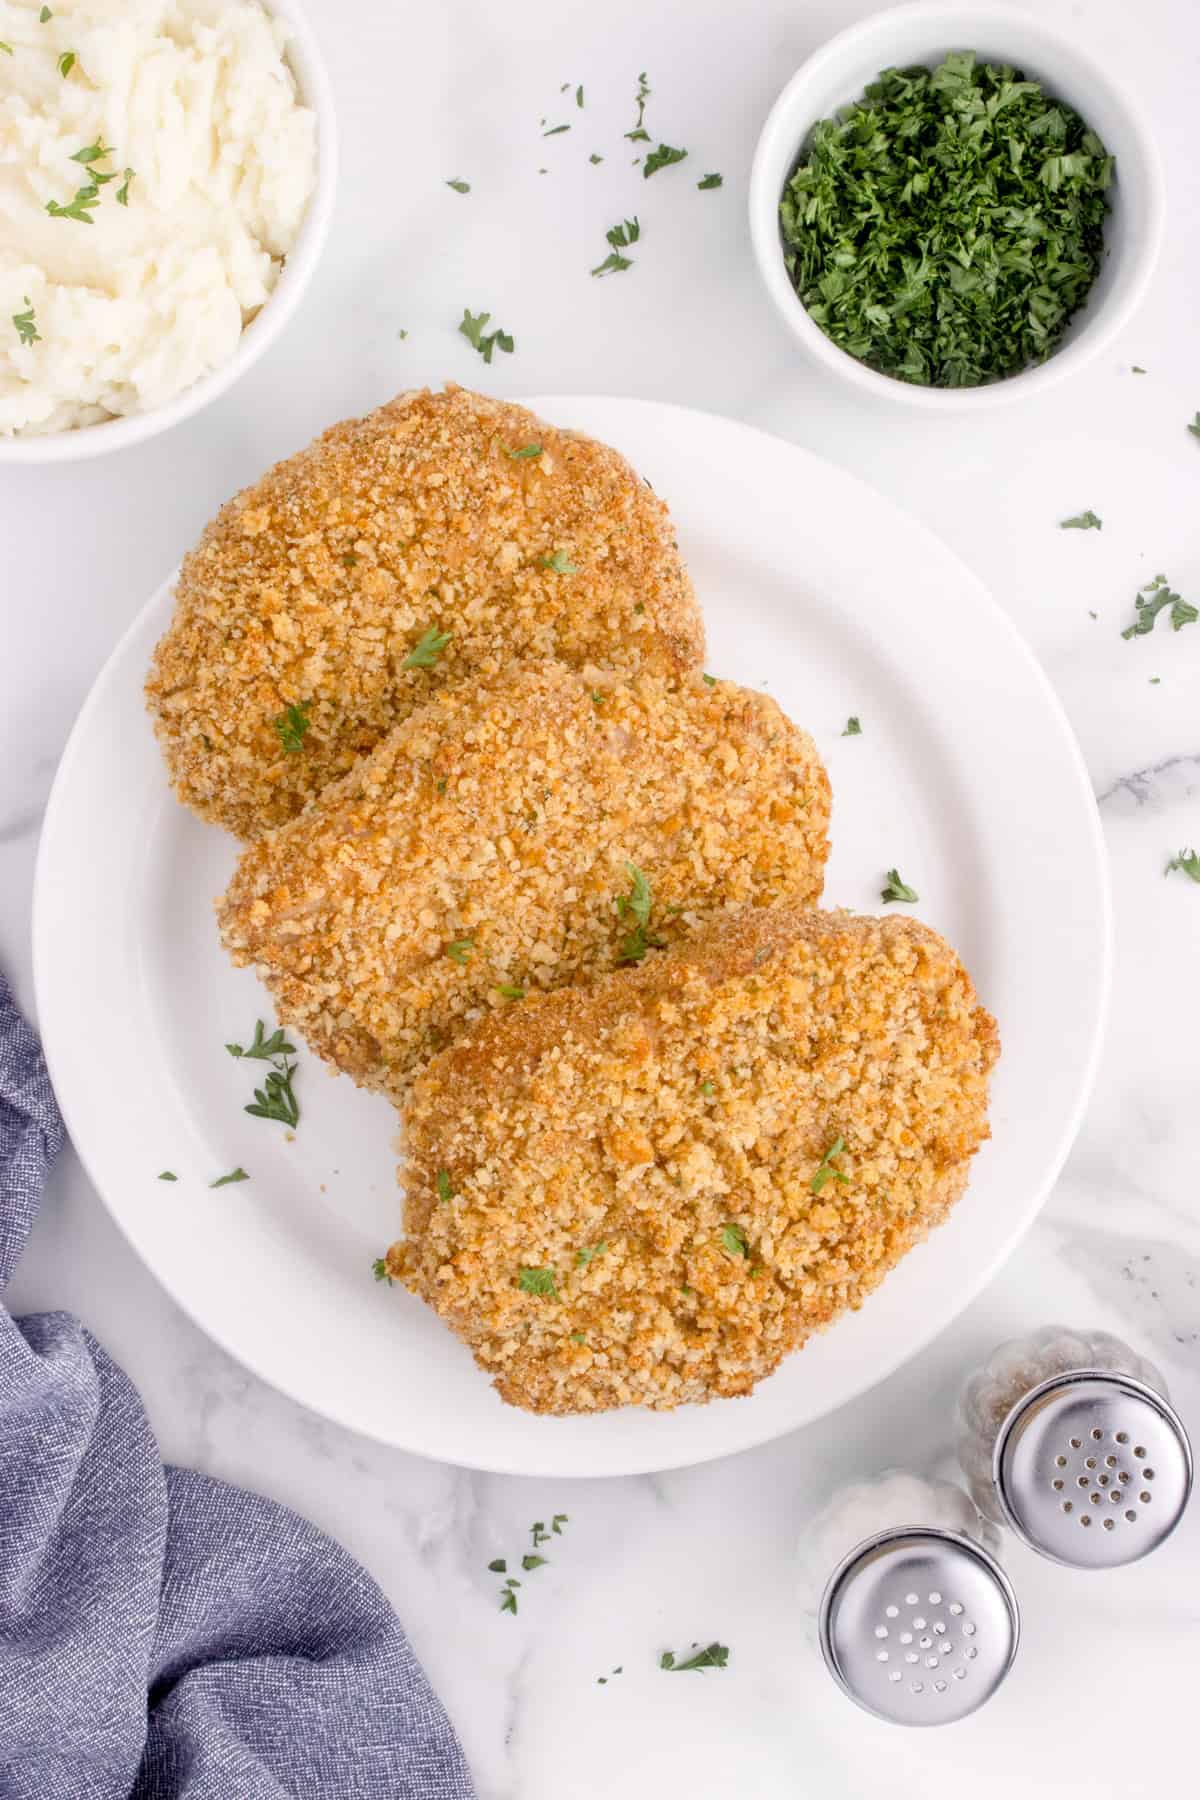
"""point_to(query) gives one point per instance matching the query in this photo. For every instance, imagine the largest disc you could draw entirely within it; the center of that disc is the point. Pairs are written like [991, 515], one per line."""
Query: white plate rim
[52, 1019]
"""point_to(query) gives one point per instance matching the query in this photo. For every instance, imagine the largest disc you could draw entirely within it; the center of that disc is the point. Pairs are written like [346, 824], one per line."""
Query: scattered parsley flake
[579, 97]
[460, 187]
[662, 158]
[1137, 370]
[707, 1089]
[711, 181]
[168, 1175]
[427, 649]
[292, 726]
[380, 1271]
[636, 905]
[498, 1566]
[560, 562]
[579, 1337]
[262, 1047]
[238, 1174]
[276, 1099]
[825, 1171]
[639, 133]
[538, 1281]
[471, 328]
[66, 63]
[1084, 521]
[1194, 427]
[461, 950]
[555, 129]
[1155, 597]
[26, 323]
[402, 334]
[45, 15]
[709, 680]
[79, 207]
[510, 991]
[713, 1656]
[588, 1253]
[897, 889]
[1187, 862]
[945, 228]
[853, 727]
[445, 1189]
[508, 1598]
[557, 1523]
[532, 1561]
[733, 1241]
[525, 454]
[593, 158]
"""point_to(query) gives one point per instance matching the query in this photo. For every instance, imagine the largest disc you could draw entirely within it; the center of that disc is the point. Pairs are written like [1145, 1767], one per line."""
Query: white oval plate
[966, 777]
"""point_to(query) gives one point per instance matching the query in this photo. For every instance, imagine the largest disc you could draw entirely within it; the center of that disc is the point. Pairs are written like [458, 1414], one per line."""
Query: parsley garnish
[93, 153]
[510, 991]
[460, 187]
[555, 129]
[639, 134]
[44, 15]
[1194, 427]
[593, 158]
[1188, 862]
[78, 207]
[1154, 598]
[66, 63]
[825, 1171]
[636, 905]
[445, 1188]
[662, 158]
[26, 324]
[380, 1272]
[460, 950]
[238, 1174]
[498, 1566]
[427, 649]
[525, 454]
[733, 1241]
[276, 1099]
[587, 1253]
[485, 342]
[713, 1656]
[7, 48]
[560, 562]
[709, 680]
[168, 1175]
[707, 1089]
[711, 181]
[1084, 521]
[945, 228]
[508, 1598]
[531, 1561]
[122, 194]
[540, 1535]
[897, 889]
[263, 1048]
[537, 1281]
[1137, 369]
[853, 727]
[619, 237]
[292, 725]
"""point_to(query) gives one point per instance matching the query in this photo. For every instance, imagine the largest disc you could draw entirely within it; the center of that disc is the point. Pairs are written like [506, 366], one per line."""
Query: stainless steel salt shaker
[917, 1621]
[1070, 1440]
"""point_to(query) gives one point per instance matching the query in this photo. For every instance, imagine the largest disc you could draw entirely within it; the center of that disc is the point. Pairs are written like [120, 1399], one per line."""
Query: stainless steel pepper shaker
[916, 1619]
[1069, 1439]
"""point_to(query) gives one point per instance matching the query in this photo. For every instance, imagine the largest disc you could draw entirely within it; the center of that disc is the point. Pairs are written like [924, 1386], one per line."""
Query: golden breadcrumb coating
[610, 1190]
[486, 844]
[312, 588]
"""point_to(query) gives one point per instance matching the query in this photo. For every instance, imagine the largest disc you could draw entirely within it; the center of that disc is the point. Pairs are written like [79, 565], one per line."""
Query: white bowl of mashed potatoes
[166, 181]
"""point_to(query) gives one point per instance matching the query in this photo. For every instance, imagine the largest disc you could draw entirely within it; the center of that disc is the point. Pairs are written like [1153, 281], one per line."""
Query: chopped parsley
[713, 1656]
[619, 237]
[168, 1175]
[853, 727]
[945, 228]
[498, 1566]
[733, 1241]
[709, 680]
[510, 990]
[579, 97]
[276, 1099]
[897, 889]
[380, 1272]
[593, 158]
[662, 158]
[292, 725]
[532, 1561]
[639, 134]
[555, 129]
[264, 1048]
[825, 1171]
[485, 342]
[588, 1253]
[525, 454]
[1187, 862]
[66, 63]
[238, 1174]
[1084, 521]
[508, 1597]
[79, 206]
[26, 323]
[560, 562]
[1137, 369]
[461, 950]
[45, 15]
[540, 1535]
[460, 187]
[1194, 427]
[636, 905]
[1157, 596]
[537, 1281]
[7, 48]
[445, 1188]
[711, 181]
[427, 649]
[707, 1089]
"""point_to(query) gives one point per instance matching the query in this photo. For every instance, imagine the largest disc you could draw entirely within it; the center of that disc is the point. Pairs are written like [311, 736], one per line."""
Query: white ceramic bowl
[837, 74]
[83, 441]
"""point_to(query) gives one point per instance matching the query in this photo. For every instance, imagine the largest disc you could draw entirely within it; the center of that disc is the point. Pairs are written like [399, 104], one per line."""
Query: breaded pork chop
[649, 1190]
[516, 833]
[441, 536]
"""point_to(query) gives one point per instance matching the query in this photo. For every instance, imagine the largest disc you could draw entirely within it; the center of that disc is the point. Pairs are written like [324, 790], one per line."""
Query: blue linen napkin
[164, 1636]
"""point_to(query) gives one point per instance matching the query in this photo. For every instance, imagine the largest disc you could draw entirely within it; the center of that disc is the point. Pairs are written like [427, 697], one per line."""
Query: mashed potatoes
[205, 167]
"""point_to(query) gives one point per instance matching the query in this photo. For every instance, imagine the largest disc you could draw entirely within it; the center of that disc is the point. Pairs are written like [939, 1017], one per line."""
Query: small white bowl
[82, 441]
[838, 73]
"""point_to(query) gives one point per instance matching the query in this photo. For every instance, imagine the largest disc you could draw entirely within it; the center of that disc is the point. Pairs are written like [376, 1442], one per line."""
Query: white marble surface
[1099, 1700]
